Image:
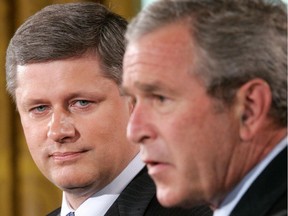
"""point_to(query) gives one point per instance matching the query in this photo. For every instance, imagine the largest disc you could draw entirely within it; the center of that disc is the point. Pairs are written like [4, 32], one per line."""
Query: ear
[255, 100]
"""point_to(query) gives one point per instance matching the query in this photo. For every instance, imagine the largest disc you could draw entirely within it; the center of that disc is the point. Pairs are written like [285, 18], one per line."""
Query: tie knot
[70, 214]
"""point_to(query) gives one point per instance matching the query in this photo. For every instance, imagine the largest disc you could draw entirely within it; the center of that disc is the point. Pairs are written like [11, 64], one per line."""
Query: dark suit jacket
[139, 199]
[267, 196]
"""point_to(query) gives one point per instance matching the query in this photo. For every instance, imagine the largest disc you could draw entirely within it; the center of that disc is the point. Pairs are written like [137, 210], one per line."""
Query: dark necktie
[70, 214]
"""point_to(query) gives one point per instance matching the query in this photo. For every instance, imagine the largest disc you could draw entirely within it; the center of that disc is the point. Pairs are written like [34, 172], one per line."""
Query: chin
[167, 197]
[70, 183]
[75, 188]
[174, 198]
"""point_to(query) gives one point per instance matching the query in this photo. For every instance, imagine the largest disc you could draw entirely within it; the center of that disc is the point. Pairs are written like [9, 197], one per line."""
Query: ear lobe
[255, 97]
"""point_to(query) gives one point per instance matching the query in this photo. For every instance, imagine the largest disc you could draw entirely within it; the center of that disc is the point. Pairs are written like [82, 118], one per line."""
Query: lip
[66, 156]
[156, 168]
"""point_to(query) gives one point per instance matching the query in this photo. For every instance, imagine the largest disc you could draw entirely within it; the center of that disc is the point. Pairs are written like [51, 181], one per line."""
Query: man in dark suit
[64, 68]
[210, 83]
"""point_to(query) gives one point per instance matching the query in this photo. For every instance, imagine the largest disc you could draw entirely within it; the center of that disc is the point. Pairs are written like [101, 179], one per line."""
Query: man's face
[74, 121]
[184, 134]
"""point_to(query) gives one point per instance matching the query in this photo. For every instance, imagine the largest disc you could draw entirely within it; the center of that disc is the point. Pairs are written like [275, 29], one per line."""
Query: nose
[61, 128]
[140, 129]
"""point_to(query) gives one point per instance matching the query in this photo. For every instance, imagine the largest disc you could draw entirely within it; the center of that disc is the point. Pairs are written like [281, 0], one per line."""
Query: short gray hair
[236, 41]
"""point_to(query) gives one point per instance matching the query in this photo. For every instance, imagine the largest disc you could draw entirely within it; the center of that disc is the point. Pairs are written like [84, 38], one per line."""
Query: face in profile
[74, 120]
[184, 138]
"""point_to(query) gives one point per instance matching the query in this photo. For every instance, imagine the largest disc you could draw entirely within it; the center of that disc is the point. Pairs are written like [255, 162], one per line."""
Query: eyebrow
[146, 87]
[32, 101]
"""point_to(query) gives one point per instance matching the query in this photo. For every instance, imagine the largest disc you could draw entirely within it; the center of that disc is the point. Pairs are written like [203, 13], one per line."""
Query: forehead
[60, 69]
[164, 52]
[172, 41]
[61, 77]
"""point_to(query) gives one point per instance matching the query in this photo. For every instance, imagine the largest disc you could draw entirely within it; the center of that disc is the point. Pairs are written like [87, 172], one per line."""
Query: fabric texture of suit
[267, 196]
[139, 199]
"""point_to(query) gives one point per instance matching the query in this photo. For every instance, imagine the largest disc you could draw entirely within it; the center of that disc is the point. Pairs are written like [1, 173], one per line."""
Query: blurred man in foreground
[209, 81]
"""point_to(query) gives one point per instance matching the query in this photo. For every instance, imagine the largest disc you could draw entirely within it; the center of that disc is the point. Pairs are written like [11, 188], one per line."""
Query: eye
[81, 103]
[161, 103]
[39, 109]
[159, 98]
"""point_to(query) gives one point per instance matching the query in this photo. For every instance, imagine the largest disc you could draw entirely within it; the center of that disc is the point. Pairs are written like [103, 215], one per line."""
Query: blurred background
[23, 189]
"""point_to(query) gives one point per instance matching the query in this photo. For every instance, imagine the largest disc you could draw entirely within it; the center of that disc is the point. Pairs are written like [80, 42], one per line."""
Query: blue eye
[83, 102]
[38, 111]
[41, 108]
[81, 105]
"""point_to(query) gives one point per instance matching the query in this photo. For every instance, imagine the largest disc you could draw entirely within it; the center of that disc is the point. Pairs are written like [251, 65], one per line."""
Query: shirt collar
[101, 201]
[235, 195]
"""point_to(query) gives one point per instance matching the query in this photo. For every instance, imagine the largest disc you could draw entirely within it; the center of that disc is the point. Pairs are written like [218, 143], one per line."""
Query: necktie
[70, 214]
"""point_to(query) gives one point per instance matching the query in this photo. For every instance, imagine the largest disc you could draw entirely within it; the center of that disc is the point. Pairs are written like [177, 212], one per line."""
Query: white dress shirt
[235, 195]
[101, 201]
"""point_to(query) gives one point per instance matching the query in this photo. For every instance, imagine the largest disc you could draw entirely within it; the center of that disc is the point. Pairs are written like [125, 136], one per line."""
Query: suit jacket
[139, 199]
[267, 196]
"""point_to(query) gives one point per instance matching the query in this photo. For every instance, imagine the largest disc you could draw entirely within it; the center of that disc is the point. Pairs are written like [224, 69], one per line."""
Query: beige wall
[23, 189]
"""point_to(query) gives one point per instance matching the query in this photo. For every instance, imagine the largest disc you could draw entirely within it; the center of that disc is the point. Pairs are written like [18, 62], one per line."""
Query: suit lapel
[56, 212]
[267, 189]
[113, 210]
[135, 198]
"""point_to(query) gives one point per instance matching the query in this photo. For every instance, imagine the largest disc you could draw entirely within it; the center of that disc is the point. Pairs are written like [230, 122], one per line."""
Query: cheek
[110, 120]
[35, 139]
[97, 131]
[34, 135]
[190, 138]
[104, 135]
[34, 129]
